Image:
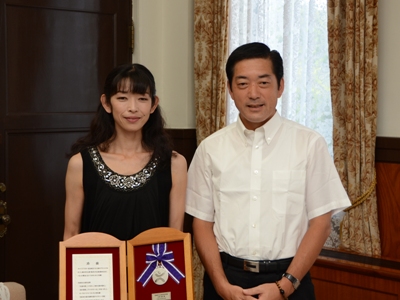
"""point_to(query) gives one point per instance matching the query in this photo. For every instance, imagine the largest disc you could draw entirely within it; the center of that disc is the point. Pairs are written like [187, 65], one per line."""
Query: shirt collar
[270, 128]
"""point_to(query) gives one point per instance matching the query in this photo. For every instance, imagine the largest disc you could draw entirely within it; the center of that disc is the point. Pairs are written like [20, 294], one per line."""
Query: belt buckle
[251, 266]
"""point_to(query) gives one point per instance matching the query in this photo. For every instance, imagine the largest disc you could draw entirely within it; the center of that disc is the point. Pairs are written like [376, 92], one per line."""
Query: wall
[388, 68]
[164, 43]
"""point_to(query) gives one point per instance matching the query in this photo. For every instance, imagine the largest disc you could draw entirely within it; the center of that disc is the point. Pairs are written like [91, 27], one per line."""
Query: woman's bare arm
[74, 196]
[177, 197]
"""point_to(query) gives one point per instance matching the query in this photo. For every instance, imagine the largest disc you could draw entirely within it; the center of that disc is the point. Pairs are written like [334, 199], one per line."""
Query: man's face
[255, 91]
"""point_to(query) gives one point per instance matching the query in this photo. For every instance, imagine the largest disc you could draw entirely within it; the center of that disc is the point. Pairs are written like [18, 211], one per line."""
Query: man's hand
[234, 292]
[265, 291]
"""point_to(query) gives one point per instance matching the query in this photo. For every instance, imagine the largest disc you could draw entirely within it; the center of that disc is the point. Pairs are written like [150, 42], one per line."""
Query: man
[262, 191]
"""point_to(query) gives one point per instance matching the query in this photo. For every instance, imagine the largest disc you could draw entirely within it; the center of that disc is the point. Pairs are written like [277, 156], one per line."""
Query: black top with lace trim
[121, 205]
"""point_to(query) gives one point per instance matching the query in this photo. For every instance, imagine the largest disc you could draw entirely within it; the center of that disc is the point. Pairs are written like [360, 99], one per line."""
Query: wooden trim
[388, 195]
[158, 236]
[184, 142]
[346, 283]
[356, 263]
[189, 133]
[90, 240]
[387, 149]
[344, 275]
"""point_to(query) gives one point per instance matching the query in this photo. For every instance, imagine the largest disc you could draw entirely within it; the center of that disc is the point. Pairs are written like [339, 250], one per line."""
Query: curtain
[297, 29]
[353, 42]
[210, 51]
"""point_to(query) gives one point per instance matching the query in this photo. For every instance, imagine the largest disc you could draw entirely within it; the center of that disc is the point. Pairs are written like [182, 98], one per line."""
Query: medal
[160, 266]
[160, 274]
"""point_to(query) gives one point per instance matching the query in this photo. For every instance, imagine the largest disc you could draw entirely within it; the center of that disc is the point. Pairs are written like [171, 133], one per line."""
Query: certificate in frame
[91, 264]
[160, 265]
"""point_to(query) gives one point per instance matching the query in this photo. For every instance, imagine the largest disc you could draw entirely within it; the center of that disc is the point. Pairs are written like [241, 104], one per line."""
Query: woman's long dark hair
[102, 128]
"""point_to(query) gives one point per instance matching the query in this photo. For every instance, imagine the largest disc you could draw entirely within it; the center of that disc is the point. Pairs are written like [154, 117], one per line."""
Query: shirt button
[255, 171]
[254, 225]
[255, 198]
[257, 147]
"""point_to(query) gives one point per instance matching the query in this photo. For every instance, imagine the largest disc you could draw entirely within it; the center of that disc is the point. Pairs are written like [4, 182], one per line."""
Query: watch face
[296, 284]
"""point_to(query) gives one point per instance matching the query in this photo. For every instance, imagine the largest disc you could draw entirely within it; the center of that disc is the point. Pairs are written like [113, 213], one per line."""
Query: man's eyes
[245, 84]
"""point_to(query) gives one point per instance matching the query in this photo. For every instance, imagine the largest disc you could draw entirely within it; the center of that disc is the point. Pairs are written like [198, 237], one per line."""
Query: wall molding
[387, 149]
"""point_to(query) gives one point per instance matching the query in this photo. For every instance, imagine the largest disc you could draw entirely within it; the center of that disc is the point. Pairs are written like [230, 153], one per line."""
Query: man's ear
[281, 87]
[156, 101]
[229, 88]
[105, 104]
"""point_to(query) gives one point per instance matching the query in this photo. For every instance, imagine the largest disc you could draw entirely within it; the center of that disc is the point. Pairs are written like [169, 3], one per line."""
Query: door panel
[37, 36]
[54, 56]
[35, 201]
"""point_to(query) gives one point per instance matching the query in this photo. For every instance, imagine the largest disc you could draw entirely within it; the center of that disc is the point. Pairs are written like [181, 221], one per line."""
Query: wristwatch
[292, 279]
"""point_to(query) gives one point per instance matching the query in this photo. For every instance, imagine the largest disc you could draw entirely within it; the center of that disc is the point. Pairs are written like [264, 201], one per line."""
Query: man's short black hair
[254, 50]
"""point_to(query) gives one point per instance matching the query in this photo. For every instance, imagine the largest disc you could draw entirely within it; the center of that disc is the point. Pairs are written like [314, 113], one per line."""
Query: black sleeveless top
[120, 205]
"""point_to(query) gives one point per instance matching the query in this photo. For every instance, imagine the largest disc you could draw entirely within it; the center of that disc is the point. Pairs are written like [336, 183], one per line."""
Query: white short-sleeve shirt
[260, 188]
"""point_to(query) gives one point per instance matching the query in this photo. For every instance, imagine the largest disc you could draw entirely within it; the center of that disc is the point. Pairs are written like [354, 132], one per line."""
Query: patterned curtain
[210, 54]
[210, 51]
[353, 42]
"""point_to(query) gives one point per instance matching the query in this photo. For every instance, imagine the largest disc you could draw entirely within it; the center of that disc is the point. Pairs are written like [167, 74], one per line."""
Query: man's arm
[309, 249]
[207, 249]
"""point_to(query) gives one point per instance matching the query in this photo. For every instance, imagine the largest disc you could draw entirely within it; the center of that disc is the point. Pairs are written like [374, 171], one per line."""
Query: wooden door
[54, 56]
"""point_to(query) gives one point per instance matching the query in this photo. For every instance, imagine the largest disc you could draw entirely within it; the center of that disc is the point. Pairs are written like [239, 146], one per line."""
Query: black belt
[257, 266]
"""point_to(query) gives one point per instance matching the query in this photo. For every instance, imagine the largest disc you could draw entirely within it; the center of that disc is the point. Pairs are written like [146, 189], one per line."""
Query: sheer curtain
[298, 30]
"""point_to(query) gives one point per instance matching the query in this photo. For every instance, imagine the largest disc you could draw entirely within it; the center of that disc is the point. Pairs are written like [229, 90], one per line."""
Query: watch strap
[295, 282]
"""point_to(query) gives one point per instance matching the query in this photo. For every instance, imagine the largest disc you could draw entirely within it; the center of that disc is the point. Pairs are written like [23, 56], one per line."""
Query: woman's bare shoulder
[178, 161]
[75, 162]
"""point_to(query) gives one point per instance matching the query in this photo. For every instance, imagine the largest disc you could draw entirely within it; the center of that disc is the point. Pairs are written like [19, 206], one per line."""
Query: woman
[123, 177]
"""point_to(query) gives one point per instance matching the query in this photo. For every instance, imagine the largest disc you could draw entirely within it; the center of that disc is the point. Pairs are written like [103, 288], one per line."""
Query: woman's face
[130, 111]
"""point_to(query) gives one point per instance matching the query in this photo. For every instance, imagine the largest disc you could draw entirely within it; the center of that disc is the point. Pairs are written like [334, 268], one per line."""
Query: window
[298, 30]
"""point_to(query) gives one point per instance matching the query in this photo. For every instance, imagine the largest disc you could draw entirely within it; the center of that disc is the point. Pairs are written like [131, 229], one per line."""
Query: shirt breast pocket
[288, 192]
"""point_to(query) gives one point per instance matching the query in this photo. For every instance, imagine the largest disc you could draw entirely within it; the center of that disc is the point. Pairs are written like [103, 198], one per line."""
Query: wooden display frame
[131, 263]
[92, 243]
[180, 244]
